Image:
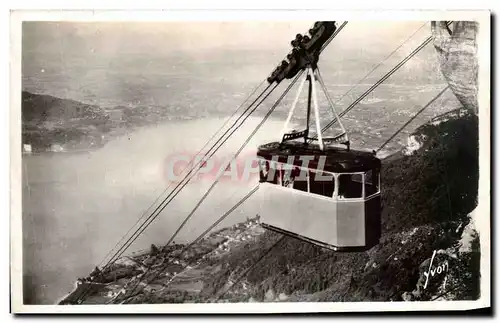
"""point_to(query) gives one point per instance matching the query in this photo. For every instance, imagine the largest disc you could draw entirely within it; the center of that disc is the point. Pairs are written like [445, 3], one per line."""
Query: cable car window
[350, 186]
[279, 174]
[372, 182]
[321, 183]
[287, 179]
[263, 170]
[300, 179]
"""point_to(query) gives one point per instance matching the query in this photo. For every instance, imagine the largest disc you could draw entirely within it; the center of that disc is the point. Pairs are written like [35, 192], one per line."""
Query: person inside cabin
[274, 174]
[287, 177]
[264, 170]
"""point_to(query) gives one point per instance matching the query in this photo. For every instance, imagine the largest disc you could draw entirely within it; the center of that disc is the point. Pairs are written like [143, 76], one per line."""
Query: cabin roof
[336, 160]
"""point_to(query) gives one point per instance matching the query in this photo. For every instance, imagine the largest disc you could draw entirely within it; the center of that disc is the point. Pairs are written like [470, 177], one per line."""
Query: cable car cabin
[330, 198]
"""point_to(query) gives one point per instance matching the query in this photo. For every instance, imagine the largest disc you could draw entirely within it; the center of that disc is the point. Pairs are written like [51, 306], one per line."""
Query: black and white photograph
[227, 163]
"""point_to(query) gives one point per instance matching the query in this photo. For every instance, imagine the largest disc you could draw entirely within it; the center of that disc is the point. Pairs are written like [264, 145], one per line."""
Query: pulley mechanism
[304, 56]
[305, 52]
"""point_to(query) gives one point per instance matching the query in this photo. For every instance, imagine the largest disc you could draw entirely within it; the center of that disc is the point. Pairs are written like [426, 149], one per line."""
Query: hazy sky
[165, 37]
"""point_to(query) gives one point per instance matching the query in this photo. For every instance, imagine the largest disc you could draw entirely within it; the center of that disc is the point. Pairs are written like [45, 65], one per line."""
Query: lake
[77, 206]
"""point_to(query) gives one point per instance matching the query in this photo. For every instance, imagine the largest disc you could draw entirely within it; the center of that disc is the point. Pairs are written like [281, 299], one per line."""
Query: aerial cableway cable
[268, 114]
[279, 100]
[183, 171]
[236, 155]
[203, 234]
[252, 191]
[380, 148]
[380, 81]
[181, 185]
[412, 118]
[333, 35]
[376, 66]
[151, 218]
[200, 163]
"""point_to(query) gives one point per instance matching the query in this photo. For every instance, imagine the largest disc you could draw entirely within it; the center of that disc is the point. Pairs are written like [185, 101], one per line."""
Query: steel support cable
[424, 43]
[385, 143]
[274, 245]
[198, 204]
[376, 66]
[279, 100]
[181, 185]
[204, 233]
[211, 151]
[272, 109]
[141, 228]
[215, 182]
[183, 171]
[394, 135]
[333, 36]
[222, 218]
[235, 156]
[412, 118]
[325, 45]
[380, 81]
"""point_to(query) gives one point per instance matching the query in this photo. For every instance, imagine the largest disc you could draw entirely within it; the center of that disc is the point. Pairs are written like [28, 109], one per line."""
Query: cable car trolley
[317, 188]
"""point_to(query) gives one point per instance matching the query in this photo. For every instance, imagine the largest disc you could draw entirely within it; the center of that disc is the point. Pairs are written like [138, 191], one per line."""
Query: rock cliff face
[429, 248]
